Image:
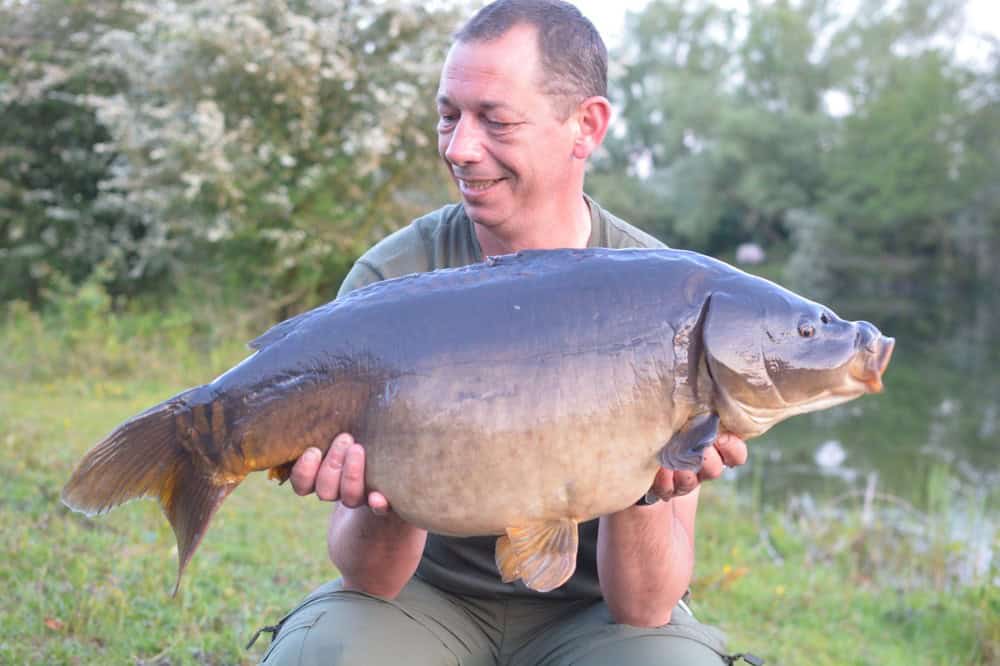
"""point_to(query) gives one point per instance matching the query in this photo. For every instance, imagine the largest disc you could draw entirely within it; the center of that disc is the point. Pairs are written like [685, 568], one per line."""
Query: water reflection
[830, 455]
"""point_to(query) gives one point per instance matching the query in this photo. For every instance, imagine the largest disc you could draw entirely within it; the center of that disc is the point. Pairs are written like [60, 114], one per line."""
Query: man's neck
[572, 231]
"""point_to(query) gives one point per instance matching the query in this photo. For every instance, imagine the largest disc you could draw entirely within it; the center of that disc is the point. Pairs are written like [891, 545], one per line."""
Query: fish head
[772, 354]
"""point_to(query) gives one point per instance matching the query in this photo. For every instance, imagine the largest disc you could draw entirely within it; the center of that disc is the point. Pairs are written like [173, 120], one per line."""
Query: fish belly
[474, 450]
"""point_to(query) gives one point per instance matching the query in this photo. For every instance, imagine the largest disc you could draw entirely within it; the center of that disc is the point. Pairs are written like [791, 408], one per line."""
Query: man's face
[502, 138]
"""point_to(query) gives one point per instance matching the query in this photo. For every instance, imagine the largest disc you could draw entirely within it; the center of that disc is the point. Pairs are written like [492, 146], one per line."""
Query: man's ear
[592, 118]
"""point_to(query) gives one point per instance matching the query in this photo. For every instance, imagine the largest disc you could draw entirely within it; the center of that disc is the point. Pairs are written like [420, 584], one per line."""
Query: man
[522, 106]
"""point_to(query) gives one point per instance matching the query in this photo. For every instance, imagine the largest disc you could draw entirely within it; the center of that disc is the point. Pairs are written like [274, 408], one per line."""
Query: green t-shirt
[446, 238]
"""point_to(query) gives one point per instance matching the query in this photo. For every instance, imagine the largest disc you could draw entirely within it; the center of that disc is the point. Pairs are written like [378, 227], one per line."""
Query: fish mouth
[873, 361]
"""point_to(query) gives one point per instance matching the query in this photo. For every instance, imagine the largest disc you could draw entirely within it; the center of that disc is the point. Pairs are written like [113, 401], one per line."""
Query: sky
[609, 16]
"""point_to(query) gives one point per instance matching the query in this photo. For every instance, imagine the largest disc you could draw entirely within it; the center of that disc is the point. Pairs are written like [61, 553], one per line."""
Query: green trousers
[425, 626]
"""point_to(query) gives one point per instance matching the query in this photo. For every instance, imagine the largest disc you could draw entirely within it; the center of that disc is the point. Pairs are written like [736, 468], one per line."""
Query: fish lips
[872, 361]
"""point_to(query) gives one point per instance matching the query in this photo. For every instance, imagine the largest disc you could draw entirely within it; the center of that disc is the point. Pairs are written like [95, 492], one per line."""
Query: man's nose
[465, 144]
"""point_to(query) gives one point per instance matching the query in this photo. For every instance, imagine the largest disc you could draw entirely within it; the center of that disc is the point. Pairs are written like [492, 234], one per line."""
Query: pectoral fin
[685, 448]
[543, 555]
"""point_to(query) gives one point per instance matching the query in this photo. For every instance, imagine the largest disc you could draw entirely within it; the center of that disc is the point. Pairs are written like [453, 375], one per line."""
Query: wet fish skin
[516, 397]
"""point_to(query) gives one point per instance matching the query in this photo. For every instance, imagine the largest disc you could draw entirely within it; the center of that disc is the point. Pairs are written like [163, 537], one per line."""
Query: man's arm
[645, 559]
[645, 554]
[375, 554]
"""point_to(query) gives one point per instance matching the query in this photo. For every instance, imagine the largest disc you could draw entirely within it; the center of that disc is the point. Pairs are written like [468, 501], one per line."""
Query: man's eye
[446, 120]
[498, 125]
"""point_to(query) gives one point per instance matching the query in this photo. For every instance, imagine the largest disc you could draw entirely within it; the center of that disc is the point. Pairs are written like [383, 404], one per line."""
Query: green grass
[82, 591]
[824, 605]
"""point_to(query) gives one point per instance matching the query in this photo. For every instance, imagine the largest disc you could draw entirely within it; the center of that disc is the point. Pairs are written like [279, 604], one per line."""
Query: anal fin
[542, 554]
[281, 473]
[506, 560]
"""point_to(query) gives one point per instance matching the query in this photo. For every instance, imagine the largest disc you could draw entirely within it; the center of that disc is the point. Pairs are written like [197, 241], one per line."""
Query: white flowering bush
[289, 126]
[273, 138]
[50, 231]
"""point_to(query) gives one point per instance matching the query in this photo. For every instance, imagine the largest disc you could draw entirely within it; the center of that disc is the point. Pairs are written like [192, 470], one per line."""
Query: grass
[82, 591]
[833, 606]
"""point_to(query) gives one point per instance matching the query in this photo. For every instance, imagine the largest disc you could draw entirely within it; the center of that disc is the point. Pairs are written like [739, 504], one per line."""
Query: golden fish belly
[576, 437]
[469, 500]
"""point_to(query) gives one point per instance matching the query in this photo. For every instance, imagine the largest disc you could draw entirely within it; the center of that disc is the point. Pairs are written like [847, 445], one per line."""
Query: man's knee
[592, 637]
[650, 650]
[346, 629]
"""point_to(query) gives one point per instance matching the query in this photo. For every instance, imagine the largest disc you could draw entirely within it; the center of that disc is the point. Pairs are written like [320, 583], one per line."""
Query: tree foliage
[273, 138]
[856, 144]
[263, 144]
[50, 170]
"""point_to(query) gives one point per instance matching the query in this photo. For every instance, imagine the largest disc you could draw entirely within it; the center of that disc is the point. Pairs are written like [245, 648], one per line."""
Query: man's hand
[338, 476]
[376, 552]
[729, 451]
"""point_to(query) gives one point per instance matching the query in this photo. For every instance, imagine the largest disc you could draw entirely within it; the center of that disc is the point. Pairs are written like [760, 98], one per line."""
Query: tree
[258, 141]
[51, 163]
[726, 110]
[896, 182]
[900, 217]
[730, 133]
[279, 136]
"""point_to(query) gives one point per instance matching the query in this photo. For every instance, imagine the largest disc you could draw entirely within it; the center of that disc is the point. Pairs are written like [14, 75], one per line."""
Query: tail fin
[145, 457]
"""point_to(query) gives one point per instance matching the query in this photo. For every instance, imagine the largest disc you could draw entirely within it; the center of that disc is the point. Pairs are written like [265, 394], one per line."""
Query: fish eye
[825, 318]
[806, 330]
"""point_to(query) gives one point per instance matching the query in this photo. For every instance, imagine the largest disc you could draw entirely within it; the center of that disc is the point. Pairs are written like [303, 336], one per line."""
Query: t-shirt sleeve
[361, 275]
[400, 253]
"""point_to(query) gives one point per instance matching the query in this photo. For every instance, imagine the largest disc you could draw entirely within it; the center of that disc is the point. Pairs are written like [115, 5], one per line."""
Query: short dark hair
[574, 58]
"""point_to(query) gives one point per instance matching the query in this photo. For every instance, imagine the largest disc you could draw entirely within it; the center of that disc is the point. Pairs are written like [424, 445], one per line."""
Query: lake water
[929, 445]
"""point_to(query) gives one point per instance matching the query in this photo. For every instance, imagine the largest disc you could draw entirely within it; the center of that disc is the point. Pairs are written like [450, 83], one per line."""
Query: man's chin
[485, 215]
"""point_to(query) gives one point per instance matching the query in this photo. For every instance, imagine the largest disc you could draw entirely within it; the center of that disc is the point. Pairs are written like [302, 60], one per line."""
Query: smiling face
[514, 157]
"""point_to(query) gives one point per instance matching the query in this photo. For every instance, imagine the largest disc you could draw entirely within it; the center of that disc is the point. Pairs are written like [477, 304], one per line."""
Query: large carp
[515, 397]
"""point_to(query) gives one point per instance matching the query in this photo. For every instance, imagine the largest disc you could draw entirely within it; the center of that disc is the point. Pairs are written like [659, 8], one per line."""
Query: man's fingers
[711, 464]
[728, 450]
[663, 484]
[352, 478]
[328, 479]
[684, 482]
[304, 471]
[378, 503]
[732, 449]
